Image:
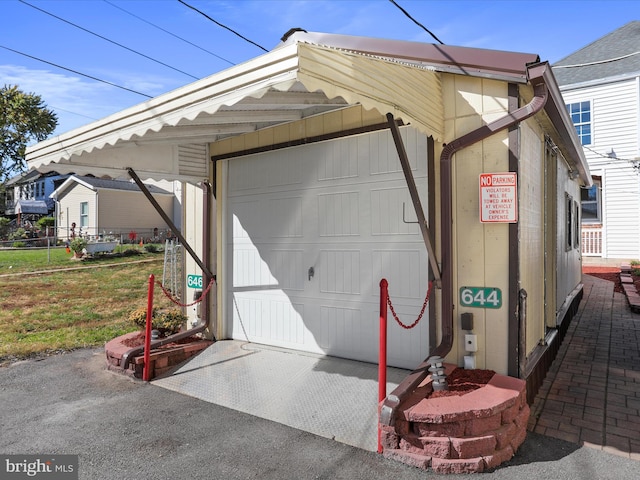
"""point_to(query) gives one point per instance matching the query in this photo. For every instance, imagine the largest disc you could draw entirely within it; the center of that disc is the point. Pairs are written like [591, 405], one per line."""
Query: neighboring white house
[301, 149]
[94, 207]
[601, 87]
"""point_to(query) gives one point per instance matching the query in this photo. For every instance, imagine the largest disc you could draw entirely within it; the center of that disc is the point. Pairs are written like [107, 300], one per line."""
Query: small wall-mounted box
[471, 343]
[467, 321]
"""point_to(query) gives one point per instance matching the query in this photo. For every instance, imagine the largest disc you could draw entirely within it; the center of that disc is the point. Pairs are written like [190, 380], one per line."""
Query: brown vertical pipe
[446, 235]
[206, 251]
[536, 78]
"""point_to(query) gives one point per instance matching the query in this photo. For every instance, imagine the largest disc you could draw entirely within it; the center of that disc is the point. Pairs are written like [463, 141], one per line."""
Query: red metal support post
[146, 373]
[382, 355]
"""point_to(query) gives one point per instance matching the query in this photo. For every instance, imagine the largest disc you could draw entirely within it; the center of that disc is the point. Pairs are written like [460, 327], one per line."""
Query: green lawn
[67, 309]
[36, 259]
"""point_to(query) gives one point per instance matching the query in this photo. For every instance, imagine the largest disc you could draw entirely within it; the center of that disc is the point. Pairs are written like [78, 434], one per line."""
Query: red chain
[170, 296]
[424, 307]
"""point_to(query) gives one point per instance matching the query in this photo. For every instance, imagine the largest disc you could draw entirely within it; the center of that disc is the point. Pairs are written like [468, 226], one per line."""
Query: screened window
[590, 203]
[580, 114]
[576, 224]
[568, 201]
[84, 214]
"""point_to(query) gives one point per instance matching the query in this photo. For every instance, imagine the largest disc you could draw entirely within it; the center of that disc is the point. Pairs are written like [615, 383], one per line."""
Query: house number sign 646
[481, 297]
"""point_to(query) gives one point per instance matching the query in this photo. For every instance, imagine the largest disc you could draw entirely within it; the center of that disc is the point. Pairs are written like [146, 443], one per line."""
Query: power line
[611, 156]
[417, 23]
[168, 32]
[75, 71]
[73, 113]
[223, 26]
[108, 40]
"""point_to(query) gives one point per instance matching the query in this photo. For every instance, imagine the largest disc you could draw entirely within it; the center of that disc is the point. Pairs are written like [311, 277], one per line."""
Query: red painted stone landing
[161, 360]
[460, 434]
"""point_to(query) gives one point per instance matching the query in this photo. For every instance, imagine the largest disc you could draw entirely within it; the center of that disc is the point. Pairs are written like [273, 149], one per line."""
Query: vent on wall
[192, 160]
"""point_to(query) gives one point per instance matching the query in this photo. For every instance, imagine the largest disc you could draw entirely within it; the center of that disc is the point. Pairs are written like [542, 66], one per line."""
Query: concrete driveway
[120, 428]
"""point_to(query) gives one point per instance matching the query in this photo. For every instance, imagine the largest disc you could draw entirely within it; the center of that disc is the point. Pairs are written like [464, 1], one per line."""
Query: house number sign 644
[481, 297]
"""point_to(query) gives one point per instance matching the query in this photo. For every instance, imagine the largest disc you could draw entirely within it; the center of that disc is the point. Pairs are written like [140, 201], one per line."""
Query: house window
[576, 224]
[591, 203]
[84, 214]
[580, 113]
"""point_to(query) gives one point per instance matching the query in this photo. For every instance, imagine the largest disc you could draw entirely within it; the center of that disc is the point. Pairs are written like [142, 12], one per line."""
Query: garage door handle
[311, 273]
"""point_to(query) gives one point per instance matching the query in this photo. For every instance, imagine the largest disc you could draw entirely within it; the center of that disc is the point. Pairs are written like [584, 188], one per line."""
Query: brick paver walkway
[591, 395]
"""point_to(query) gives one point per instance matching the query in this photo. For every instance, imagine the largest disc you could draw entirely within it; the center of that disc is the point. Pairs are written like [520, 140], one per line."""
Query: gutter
[207, 275]
[538, 77]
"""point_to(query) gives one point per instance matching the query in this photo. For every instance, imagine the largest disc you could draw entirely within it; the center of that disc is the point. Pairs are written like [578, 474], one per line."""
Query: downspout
[206, 250]
[207, 275]
[536, 78]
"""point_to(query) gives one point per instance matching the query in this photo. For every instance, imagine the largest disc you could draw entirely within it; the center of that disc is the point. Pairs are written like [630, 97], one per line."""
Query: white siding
[615, 111]
[621, 211]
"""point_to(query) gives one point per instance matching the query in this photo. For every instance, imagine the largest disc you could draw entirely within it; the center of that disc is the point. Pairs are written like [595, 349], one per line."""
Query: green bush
[169, 321]
[18, 244]
[18, 234]
[151, 247]
[46, 222]
[78, 244]
[4, 225]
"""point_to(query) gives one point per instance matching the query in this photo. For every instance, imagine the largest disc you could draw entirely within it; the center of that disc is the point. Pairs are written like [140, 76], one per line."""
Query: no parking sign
[498, 197]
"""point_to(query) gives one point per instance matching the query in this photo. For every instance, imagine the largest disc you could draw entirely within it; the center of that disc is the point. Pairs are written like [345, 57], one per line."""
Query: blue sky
[552, 29]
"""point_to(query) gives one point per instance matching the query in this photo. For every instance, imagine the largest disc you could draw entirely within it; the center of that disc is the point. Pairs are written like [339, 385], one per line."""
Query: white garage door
[311, 232]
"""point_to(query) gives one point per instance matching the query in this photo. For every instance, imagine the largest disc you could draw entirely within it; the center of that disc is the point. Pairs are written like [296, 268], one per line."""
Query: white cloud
[75, 100]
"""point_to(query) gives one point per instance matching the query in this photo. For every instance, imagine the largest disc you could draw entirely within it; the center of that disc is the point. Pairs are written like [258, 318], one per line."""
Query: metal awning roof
[308, 74]
[31, 206]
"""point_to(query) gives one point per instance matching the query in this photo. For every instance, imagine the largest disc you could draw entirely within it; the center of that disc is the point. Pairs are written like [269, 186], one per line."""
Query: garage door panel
[392, 211]
[251, 268]
[403, 269]
[383, 156]
[285, 217]
[339, 272]
[340, 212]
[338, 161]
[270, 317]
[289, 268]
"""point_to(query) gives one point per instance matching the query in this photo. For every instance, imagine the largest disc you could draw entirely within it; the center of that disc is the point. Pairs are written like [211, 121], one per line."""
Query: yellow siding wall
[126, 211]
[532, 230]
[480, 257]
[348, 118]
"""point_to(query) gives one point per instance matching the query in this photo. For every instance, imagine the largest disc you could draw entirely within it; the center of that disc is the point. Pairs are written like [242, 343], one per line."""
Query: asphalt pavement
[127, 429]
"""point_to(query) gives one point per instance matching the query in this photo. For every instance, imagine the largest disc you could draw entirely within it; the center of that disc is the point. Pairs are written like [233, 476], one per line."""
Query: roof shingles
[614, 55]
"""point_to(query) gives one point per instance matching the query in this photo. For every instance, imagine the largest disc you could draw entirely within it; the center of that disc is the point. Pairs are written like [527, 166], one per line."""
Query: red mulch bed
[138, 341]
[611, 274]
[463, 381]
